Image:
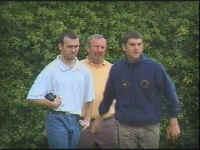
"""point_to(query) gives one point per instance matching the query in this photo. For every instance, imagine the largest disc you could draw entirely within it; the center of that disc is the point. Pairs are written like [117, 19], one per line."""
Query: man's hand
[173, 130]
[47, 103]
[55, 103]
[84, 123]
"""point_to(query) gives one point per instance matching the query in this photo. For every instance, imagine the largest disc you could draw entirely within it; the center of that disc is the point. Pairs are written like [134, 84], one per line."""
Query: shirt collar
[65, 67]
[91, 63]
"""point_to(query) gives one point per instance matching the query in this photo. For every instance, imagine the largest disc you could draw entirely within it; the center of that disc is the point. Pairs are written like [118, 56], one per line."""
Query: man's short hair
[90, 38]
[67, 34]
[131, 35]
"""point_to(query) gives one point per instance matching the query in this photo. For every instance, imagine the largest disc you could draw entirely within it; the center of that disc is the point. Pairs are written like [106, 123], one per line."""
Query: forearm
[87, 114]
[104, 106]
[167, 87]
[99, 119]
[43, 103]
[108, 96]
[111, 111]
[106, 102]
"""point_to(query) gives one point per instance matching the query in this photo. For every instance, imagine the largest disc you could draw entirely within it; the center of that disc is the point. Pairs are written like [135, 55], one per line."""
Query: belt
[104, 119]
[64, 113]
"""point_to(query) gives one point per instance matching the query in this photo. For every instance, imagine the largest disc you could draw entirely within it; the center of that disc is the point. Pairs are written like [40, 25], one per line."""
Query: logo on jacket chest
[125, 84]
[144, 83]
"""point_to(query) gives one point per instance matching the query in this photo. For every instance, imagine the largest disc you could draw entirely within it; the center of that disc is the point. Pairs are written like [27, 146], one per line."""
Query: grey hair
[94, 36]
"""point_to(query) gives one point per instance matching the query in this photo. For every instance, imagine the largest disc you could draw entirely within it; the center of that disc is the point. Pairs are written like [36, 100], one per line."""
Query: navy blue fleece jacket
[138, 88]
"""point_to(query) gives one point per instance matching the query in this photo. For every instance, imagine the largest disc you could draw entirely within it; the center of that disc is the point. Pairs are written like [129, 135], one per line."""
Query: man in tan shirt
[102, 131]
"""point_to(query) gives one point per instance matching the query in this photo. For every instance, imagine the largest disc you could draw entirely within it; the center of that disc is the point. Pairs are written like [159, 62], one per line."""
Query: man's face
[97, 49]
[69, 49]
[133, 48]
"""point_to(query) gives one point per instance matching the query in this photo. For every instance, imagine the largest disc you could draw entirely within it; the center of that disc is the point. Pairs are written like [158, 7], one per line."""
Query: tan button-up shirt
[100, 74]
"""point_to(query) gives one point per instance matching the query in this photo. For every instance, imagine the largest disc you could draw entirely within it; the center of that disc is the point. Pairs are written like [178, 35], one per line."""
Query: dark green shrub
[28, 42]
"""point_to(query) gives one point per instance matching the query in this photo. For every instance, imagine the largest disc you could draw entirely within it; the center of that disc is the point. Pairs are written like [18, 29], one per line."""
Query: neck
[131, 60]
[68, 62]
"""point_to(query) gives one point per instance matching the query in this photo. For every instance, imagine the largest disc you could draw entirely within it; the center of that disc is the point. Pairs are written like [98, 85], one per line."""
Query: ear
[88, 49]
[59, 46]
[123, 47]
[106, 51]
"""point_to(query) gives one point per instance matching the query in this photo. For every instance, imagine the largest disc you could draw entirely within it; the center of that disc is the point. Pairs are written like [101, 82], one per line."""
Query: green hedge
[29, 31]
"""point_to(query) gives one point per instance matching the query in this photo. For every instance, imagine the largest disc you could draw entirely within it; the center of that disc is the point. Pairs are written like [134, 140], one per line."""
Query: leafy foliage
[29, 31]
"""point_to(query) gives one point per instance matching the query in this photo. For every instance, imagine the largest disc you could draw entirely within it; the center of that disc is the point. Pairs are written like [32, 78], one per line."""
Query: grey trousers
[139, 136]
[105, 137]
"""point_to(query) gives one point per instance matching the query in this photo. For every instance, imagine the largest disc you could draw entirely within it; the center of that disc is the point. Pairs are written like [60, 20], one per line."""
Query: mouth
[137, 53]
[99, 53]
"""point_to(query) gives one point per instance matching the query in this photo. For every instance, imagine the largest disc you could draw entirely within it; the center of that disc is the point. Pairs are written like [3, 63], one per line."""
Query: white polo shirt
[73, 85]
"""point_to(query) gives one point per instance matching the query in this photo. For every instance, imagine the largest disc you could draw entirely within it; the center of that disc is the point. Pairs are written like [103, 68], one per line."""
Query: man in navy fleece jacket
[138, 83]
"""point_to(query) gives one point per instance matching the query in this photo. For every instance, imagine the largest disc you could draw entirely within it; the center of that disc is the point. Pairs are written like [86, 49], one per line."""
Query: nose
[136, 47]
[100, 50]
[74, 49]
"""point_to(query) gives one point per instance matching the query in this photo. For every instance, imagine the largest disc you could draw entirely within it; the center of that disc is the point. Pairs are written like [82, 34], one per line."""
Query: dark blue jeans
[63, 131]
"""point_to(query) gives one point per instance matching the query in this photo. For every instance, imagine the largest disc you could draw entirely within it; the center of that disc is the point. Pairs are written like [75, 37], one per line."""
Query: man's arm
[99, 119]
[111, 111]
[109, 95]
[47, 104]
[87, 115]
[167, 87]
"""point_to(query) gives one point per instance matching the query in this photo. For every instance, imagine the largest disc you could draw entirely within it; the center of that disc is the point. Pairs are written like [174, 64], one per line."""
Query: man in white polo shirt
[72, 84]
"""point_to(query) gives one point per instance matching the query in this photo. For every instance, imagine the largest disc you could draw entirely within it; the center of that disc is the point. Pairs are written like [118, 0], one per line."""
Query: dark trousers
[105, 137]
